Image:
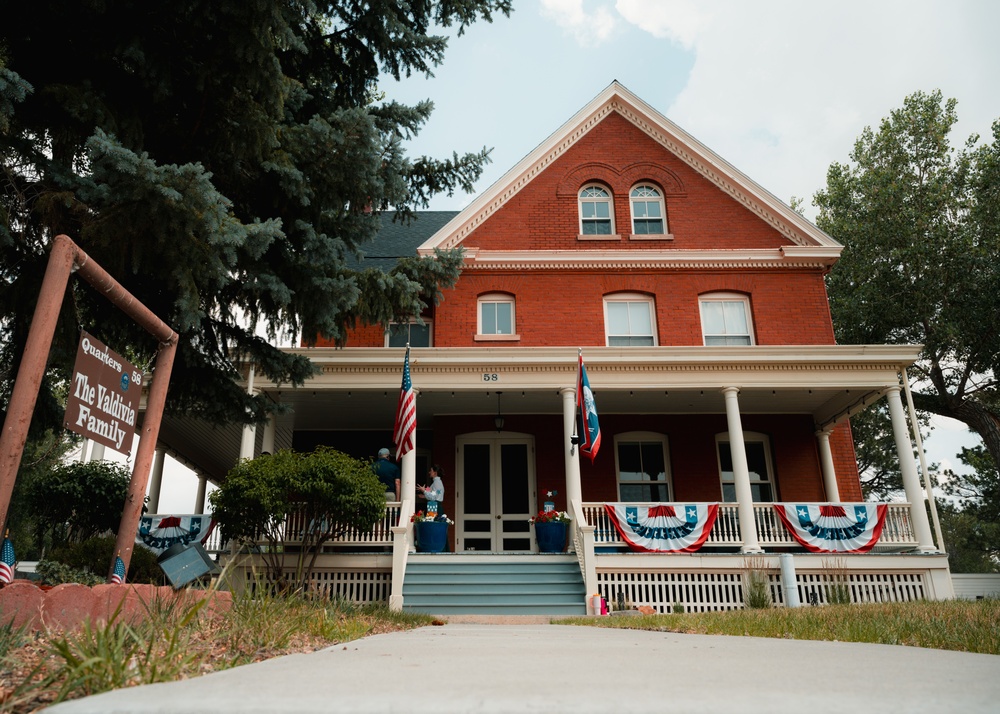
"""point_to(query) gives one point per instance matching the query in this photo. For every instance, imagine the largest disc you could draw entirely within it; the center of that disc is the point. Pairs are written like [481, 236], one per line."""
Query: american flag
[7, 561]
[118, 577]
[404, 433]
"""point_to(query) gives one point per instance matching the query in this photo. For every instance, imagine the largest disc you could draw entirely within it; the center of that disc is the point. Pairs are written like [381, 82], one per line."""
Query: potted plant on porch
[431, 531]
[550, 530]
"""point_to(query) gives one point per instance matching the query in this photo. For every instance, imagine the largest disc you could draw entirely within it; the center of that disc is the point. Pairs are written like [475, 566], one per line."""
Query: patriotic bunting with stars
[663, 528]
[834, 528]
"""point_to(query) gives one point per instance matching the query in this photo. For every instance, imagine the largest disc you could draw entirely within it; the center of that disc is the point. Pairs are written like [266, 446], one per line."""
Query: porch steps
[458, 584]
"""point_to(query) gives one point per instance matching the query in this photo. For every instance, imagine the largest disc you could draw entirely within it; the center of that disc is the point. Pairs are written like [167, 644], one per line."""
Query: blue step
[452, 584]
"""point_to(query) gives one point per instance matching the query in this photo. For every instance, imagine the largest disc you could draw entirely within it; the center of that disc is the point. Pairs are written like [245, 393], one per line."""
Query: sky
[781, 89]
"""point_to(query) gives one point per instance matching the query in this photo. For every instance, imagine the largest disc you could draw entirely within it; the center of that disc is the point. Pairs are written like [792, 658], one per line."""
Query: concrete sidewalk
[556, 668]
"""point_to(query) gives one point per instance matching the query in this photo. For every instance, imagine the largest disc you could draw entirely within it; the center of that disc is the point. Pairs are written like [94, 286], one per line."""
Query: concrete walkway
[527, 668]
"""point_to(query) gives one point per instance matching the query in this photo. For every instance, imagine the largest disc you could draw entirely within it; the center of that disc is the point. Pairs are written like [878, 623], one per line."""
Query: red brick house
[698, 301]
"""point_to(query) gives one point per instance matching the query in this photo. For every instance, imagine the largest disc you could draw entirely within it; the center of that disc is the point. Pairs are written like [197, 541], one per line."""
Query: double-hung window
[648, 216]
[641, 461]
[725, 319]
[628, 321]
[596, 216]
[496, 316]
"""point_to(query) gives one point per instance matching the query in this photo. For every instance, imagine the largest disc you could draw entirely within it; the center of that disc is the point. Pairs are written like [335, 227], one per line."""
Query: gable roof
[811, 244]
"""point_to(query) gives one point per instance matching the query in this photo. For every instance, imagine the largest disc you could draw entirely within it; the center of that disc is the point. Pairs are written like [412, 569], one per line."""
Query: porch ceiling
[359, 388]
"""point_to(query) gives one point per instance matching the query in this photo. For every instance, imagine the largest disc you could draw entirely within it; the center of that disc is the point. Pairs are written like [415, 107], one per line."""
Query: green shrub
[96, 555]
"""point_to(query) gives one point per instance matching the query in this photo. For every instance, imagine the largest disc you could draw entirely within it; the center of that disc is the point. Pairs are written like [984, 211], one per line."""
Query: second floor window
[725, 320]
[595, 212]
[648, 216]
[496, 314]
[628, 321]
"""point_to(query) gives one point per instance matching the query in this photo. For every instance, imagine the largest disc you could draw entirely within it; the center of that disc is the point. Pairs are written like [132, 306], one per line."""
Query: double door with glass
[495, 492]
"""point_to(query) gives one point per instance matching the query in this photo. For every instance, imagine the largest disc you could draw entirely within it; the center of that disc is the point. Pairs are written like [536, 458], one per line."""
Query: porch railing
[296, 525]
[897, 534]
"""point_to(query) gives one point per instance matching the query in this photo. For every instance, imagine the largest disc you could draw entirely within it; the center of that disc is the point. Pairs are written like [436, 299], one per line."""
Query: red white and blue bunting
[840, 528]
[159, 532]
[663, 528]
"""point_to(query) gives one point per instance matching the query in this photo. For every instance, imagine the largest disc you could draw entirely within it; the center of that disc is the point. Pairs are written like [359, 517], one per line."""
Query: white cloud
[681, 21]
[782, 88]
[588, 28]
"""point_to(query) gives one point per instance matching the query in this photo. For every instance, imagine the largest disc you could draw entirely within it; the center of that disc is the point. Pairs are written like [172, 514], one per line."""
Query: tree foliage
[223, 160]
[920, 222]
[973, 521]
[324, 494]
[75, 501]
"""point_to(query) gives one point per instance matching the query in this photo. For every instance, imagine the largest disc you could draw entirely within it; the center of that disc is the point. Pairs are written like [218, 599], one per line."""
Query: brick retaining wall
[65, 607]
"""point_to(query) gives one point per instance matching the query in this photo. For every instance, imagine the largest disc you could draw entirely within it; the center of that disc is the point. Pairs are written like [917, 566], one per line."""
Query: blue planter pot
[551, 537]
[432, 536]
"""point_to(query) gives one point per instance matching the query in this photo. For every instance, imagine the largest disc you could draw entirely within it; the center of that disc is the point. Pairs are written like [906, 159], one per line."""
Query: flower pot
[432, 536]
[551, 537]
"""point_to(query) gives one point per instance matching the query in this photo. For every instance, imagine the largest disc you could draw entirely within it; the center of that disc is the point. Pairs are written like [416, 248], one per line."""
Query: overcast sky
[779, 88]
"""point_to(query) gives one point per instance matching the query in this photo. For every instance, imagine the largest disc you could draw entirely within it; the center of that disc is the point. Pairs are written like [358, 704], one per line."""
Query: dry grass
[961, 625]
[40, 669]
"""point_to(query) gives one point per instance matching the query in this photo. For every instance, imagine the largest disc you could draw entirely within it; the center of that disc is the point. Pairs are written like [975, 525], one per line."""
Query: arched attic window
[596, 211]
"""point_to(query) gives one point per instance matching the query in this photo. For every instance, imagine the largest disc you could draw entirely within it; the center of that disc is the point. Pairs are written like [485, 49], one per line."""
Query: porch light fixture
[498, 419]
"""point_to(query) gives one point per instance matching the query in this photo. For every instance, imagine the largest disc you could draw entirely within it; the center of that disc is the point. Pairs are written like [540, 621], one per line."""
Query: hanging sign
[103, 396]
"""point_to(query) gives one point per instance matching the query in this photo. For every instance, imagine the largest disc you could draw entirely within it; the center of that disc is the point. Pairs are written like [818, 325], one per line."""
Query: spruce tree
[226, 161]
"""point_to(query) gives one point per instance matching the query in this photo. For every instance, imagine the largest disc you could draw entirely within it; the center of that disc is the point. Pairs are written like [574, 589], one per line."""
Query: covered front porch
[374, 567]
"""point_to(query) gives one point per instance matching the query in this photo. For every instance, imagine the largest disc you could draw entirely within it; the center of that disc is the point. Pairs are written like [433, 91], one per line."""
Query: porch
[381, 565]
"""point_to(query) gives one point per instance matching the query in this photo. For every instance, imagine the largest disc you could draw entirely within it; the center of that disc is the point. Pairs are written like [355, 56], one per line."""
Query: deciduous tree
[920, 222]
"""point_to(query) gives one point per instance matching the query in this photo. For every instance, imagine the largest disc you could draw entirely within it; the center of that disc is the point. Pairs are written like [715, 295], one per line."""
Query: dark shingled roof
[397, 239]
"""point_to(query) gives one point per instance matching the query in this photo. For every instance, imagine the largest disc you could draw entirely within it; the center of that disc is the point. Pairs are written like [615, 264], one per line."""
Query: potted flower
[550, 530]
[431, 531]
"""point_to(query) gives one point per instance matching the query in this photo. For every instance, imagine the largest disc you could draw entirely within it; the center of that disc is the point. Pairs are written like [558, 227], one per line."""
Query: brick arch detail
[648, 172]
[483, 285]
[620, 180]
[644, 284]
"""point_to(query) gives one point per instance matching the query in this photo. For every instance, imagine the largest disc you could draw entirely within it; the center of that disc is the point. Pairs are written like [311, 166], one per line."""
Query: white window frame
[749, 437]
[645, 437]
[496, 298]
[731, 337]
[608, 198]
[428, 323]
[630, 298]
[657, 199]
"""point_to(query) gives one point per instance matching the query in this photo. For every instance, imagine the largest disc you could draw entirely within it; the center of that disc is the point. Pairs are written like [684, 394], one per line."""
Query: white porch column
[199, 498]
[574, 489]
[826, 463]
[250, 430]
[83, 450]
[408, 466]
[155, 481]
[267, 439]
[741, 472]
[908, 468]
[97, 452]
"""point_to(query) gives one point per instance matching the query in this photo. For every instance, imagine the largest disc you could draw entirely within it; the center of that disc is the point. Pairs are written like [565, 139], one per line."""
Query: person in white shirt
[435, 492]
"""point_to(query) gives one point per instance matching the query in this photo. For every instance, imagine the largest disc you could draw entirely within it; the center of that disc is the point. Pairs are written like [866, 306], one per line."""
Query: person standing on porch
[388, 474]
[435, 492]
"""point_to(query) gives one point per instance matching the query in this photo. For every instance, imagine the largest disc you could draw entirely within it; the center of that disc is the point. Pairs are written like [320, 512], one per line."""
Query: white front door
[495, 492]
